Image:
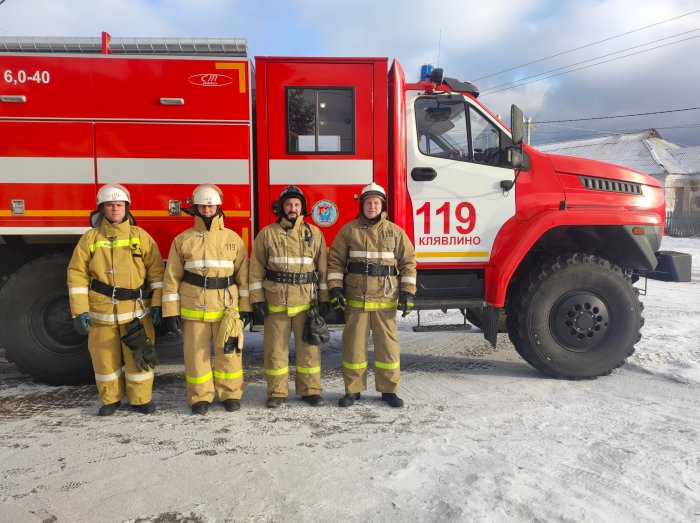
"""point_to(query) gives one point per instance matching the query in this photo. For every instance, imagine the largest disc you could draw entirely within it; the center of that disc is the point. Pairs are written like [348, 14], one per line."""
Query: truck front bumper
[672, 266]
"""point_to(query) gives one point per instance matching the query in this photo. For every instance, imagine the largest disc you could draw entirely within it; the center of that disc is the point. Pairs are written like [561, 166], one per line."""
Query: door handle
[423, 174]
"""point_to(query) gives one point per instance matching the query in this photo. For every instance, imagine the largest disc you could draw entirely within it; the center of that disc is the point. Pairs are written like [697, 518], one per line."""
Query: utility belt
[208, 282]
[295, 278]
[371, 269]
[120, 293]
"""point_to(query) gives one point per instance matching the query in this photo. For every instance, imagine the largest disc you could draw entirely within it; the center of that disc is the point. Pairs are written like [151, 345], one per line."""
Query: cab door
[456, 160]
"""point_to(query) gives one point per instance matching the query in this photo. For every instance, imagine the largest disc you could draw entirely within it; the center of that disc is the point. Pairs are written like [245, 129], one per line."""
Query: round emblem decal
[325, 213]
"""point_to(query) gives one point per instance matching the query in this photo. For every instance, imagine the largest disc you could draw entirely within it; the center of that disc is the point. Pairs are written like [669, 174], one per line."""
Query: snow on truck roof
[93, 45]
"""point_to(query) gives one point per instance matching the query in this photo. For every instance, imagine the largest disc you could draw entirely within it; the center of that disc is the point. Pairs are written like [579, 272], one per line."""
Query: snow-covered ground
[483, 437]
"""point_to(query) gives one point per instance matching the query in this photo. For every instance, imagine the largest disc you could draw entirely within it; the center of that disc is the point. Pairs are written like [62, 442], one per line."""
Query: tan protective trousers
[113, 363]
[278, 328]
[227, 375]
[387, 371]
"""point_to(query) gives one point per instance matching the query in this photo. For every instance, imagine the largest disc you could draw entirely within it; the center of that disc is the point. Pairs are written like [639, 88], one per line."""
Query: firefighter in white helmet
[371, 271]
[207, 277]
[114, 285]
[287, 277]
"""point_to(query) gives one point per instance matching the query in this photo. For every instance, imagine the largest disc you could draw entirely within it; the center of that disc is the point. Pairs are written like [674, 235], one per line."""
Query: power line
[589, 60]
[592, 65]
[620, 115]
[588, 45]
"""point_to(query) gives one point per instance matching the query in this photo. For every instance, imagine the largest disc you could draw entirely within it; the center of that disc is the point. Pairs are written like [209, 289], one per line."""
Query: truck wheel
[577, 316]
[36, 328]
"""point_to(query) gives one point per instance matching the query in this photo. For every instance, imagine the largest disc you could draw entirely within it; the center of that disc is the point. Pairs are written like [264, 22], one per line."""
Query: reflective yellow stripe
[387, 366]
[354, 366]
[201, 315]
[276, 372]
[116, 243]
[372, 304]
[201, 379]
[289, 310]
[308, 370]
[228, 375]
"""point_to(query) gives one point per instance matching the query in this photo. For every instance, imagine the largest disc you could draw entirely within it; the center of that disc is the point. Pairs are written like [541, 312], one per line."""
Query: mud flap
[492, 316]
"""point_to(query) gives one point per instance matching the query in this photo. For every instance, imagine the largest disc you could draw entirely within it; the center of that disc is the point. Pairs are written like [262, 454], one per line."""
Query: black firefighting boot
[315, 400]
[274, 401]
[232, 405]
[201, 408]
[392, 400]
[146, 408]
[108, 409]
[349, 399]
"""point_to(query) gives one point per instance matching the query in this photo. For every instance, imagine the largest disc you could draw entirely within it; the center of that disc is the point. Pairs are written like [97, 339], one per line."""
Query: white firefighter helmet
[113, 192]
[207, 194]
[373, 189]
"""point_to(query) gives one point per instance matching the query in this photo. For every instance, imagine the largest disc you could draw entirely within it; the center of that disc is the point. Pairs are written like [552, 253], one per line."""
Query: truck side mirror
[516, 124]
[518, 160]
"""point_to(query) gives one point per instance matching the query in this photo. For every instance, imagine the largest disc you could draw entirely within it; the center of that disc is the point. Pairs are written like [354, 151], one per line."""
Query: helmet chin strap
[208, 219]
[372, 220]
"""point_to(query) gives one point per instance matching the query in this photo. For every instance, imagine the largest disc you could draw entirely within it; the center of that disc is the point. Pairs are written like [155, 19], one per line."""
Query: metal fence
[683, 225]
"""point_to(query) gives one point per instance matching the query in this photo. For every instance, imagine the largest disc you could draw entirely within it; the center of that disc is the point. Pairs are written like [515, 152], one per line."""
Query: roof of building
[643, 151]
[689, 157]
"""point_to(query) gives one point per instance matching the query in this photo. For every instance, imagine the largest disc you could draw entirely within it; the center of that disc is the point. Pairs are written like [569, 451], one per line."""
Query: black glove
[231, 345]
[406, 302]
[324, 308]
[173, 324]
[338, 299]
[146, 359]
[260, 308]
[246, 317]
[142, 348]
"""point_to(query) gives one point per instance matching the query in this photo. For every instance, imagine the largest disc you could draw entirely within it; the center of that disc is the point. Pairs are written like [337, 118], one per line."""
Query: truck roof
[133, 46]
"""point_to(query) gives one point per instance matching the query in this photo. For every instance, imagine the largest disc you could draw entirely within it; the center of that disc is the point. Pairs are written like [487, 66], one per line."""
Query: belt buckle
[205, 282]
[114, 294]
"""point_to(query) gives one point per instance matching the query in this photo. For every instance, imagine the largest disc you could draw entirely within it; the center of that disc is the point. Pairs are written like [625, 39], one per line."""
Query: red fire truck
[550, 243]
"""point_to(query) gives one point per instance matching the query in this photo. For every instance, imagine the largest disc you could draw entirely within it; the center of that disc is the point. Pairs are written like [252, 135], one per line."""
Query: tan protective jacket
[382, 243]
[121, 255]
[282, 247]
[217, 252]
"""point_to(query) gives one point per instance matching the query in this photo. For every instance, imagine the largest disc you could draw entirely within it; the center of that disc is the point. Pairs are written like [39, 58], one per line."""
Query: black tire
[576, 316]
[36, 329]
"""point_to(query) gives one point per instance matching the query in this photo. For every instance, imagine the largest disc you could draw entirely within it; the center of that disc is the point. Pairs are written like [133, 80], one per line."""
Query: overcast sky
[469, 40]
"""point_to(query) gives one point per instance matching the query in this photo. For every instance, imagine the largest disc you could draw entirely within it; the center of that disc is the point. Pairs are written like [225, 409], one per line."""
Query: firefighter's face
[207, 210]
[114, 211]
[292, 208]
[372, 207]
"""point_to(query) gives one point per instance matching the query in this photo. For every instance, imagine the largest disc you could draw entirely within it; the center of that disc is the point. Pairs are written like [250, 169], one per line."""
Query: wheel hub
[57, 334]
[580, 321]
